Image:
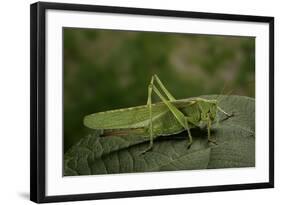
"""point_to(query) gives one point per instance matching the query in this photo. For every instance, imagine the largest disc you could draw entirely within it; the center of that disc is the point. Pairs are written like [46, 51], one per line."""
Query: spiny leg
[176, 112]
[189, 142]
[149, 104]
[228, 115]
[150, 113]
[164, 89]
[209, 123]
[150, 118]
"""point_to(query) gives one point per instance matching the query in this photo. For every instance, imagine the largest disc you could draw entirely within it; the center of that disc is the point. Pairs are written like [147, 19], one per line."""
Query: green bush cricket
[168, 117]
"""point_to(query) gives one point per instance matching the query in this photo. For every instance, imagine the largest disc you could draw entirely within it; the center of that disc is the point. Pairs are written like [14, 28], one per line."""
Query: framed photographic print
[129, 102]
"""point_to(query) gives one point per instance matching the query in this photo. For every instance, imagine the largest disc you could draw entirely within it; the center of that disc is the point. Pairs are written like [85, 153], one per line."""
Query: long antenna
[222, 90]
[228, 93]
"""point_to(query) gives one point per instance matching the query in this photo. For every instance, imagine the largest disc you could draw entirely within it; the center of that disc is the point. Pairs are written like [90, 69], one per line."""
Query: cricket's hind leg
[168, 97]
[150, 118]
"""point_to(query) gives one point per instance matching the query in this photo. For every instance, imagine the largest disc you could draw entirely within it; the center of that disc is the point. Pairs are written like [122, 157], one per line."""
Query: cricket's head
[209, 109]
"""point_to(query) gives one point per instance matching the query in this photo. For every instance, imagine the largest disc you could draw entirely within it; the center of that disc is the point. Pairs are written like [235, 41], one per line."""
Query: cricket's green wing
[133, 117]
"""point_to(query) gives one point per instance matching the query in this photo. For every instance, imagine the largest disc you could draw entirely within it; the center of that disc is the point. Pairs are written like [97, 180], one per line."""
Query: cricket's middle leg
[189, 141]
[209, 123]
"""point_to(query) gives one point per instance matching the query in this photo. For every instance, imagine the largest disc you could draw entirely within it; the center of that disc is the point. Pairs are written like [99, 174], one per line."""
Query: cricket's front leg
[227, 114]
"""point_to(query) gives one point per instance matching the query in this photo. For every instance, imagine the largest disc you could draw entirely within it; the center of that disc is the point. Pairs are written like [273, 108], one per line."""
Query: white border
[58, 185]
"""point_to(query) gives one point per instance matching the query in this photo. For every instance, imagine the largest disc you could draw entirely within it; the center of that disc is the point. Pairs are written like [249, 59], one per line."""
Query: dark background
[105, 69]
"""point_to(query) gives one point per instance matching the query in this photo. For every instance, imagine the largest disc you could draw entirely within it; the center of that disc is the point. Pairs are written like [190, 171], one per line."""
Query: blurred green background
[106, 69]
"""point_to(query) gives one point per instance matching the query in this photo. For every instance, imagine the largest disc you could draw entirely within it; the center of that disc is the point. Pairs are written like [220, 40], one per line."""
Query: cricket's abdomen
[162, 124]
[137, 119]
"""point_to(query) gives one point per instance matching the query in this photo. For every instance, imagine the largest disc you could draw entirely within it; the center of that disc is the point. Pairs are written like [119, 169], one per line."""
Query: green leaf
[235, 147]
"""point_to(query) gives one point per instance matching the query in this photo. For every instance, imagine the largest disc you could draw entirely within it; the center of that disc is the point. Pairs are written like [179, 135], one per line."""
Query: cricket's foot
[230, 115]
[212, 141]
[189, 145]
[146, 150]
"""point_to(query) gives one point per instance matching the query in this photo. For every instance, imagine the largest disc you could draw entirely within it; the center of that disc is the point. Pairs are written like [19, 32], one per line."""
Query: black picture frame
[38, 101]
